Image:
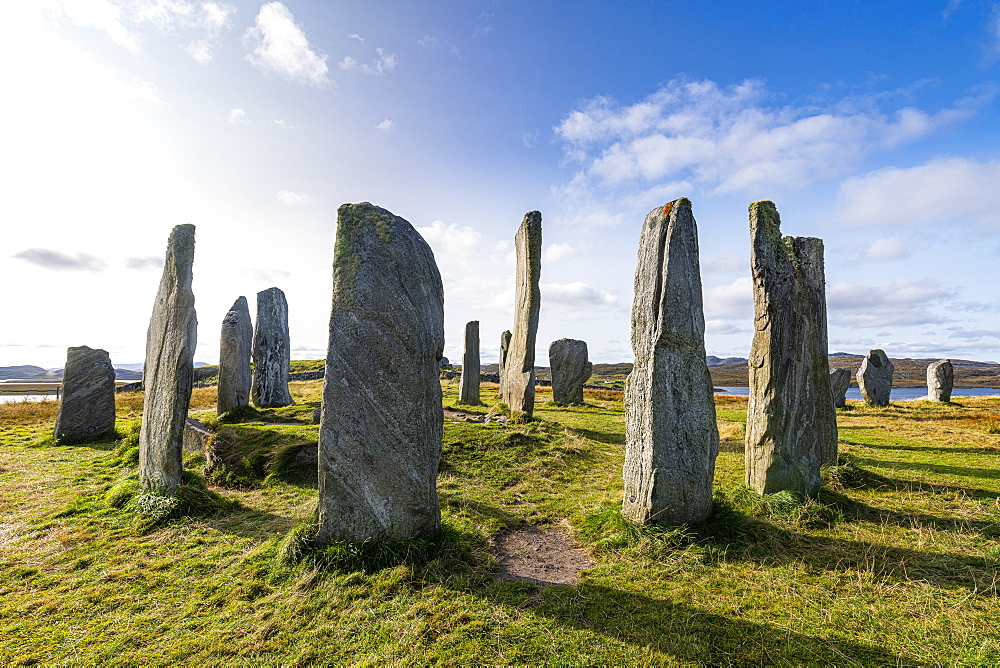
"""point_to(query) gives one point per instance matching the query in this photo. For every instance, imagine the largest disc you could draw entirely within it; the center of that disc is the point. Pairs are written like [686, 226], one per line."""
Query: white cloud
[556, 252]
[293, 199]
[280, 46]
[450, 240]
[722, 264]
[529, 139]
[733, 300]
[576, 295]
[208, 19]
[51, 259]
[386, 126]
[284, 125]
[98, 14]
[886, 249]
[381, 65]
[894, 304]
[429, 43]
[236, 116]
[356, 36]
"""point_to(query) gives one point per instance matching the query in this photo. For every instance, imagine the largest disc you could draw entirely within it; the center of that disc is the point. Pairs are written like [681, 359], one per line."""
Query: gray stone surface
[791, 422]
[570, 370]
[840, 381]
[169, 368]
[671, 436]
[502, 359]
[87, 403]
[196, 436]
[379, 450]
[875, 378]
[518, 386]
[940, 380]
[234, 357]
[468, 385]
[272, 352]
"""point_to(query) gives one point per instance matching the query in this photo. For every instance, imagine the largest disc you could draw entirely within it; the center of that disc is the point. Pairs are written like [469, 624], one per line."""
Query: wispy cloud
[356, 36]
[143, 263]
[280, 46]
[576, 295]
[50, 259]
[236, 116]
[731, 300]
[886, 249]
[896, 303]
[386, 126]
[100, 15]
[556, 252]
[383, 64]
[292, 199]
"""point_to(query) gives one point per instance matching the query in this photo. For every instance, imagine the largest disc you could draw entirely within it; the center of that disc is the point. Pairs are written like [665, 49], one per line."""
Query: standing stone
[502, 361]
[570, 370]
[875, 378]
[519, 366]
[840, 380]
[379, 450]
[272, 352]
[169, 369]
[87, 407]
[468, 387]
[940, 380]
[234, 358]
[791, 421]
[671, 436]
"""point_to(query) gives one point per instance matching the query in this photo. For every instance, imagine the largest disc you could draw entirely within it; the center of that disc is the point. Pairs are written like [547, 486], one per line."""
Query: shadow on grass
[863, 512]
[966, 471]
[929, 448]
[599, 436]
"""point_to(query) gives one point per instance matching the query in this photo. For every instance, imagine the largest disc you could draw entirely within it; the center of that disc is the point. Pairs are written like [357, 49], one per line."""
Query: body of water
[9, 398]
[897, 394]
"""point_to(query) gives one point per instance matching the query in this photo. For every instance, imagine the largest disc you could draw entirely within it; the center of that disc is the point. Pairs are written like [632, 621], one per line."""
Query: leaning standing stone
[875, 378]
[940, 380]
[671, 436]
[502, 361]
[791, 421]
[840, 380]
[379, 450]
[570, 370]
[169, 368]
[271, 351]
[468, 387]
[87, 407]
[234, 358]
[519, 366]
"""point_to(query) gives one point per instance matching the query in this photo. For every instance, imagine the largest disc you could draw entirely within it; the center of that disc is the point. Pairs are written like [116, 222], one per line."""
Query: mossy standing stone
[875, 378]
[840, 381]
[272, 353]
[791, 421]
[468, 385]
[519, 366]
[570, 370]
[379, 450]
[671, 435]
[169, 369]
[234, 358]
[87, 405]
[502, 360]
[940, 380]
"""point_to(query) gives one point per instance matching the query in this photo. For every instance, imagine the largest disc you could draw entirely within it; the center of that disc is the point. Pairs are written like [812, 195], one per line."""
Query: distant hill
[23, 371]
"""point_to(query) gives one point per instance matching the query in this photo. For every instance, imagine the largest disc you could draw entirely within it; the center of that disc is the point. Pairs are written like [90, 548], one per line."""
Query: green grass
[897, 562]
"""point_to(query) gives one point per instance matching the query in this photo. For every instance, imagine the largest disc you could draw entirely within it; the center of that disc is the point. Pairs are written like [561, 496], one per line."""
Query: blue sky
[873, 125]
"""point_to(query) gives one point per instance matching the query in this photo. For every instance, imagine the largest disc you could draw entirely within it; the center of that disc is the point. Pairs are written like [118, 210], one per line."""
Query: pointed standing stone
[940, 380]
[840, 381]
[468, 387]
[519, 367]
[502, 361]
[234, 358]
[791, 421]
[875, 378]
[271, 351]
[87, 406]
[379, 450]
[570, 370]
[169, 369]
[671, 435]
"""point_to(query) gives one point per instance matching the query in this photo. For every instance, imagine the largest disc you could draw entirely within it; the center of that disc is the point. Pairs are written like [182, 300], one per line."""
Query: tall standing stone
[87, 407]
[840, 381]
[791, 421]
[468, 386]
[518, 385]
[272, 352]
[570, 370]
[169, 369]
[234, 358]
[379, 451]
[940, 380]
[671, 436]
[502, 361]
[875, 378]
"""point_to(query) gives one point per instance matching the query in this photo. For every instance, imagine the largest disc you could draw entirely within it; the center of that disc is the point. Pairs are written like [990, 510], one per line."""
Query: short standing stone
[570, 370]
[272, 352]
[87, 407]
[502, 360]
[671, 436]
[468, 386]
[169, 368]
[840, 381]
[518, 385]
[234, 358]
[940, 380]
[791, 421]
[379, 450]
[875, 378]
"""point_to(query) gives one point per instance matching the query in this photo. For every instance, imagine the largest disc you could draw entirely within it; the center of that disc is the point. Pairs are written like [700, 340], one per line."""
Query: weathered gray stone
[380, 449]
[468, 385]
[317, 414]
[570, 370]
[234, 358]
[875, 378]
[502, 359]
[196, 436]
[791, 422]
[671, 436]
[940, 380]
[840, 381]
[518, 386]
[272, 352]
[443, 362]
[87, 406]
[169, 368]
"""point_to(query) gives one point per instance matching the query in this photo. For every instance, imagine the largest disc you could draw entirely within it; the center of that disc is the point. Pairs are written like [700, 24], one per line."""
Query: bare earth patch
[544, 557]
